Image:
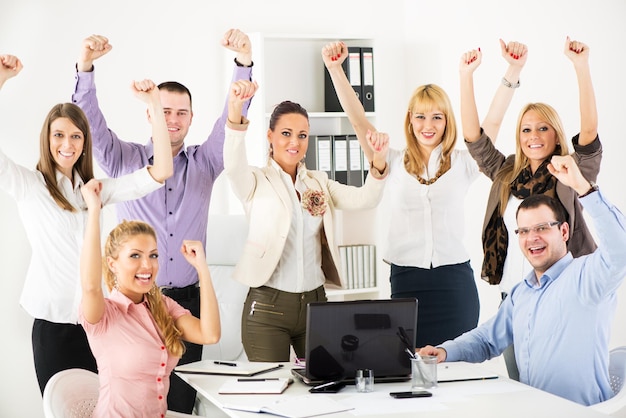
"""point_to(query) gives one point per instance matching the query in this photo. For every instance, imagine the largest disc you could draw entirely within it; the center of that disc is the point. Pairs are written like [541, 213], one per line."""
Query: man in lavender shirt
[180, 209]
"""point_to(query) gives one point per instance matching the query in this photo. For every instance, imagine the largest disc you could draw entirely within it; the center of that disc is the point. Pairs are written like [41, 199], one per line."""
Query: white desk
[501, 398]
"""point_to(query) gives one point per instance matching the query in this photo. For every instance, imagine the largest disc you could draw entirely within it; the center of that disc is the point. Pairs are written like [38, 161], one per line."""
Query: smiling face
[136, 266]
[289, 140]
[538, 139]
[66, 144]
[178, 116]
[428, 128]
[541, 246]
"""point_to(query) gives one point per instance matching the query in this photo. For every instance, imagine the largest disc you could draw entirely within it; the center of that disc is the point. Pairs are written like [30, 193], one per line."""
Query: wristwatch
[594, 187]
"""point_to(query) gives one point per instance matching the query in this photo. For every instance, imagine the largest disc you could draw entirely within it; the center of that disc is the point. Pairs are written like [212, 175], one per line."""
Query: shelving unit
[289, 67]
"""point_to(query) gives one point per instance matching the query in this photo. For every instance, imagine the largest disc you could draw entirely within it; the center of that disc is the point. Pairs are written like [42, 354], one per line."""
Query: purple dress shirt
[177, 211]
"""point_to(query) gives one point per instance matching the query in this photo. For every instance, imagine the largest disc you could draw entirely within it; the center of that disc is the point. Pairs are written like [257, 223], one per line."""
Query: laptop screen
[343, 337]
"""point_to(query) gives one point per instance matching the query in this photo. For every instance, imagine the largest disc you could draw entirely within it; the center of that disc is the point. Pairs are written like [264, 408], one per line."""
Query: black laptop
[343, 337]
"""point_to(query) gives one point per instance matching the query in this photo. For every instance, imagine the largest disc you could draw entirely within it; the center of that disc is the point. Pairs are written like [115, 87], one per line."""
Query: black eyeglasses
[537, 229]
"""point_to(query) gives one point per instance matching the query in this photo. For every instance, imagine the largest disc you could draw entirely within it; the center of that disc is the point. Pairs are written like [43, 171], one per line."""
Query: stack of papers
[297, 407]
[255, 386]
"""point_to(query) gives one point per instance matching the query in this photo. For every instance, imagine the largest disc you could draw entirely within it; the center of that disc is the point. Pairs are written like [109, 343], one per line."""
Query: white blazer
[268, 209]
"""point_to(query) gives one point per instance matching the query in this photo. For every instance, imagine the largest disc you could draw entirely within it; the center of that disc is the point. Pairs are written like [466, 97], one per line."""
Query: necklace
[425, 182]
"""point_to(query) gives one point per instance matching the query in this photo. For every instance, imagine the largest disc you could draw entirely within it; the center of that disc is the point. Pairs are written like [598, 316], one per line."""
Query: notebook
[234, 368]
[343, 337]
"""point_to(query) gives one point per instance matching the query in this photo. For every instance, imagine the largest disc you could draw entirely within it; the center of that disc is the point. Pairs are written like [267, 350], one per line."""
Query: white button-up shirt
[300, 266]
[427, 223]
[52, 286]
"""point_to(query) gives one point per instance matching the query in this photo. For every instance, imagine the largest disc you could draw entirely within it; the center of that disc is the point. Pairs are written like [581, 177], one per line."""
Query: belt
[181, 293]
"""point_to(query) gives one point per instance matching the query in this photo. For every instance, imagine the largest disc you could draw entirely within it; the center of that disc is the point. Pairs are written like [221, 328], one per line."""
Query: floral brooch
[314, 201]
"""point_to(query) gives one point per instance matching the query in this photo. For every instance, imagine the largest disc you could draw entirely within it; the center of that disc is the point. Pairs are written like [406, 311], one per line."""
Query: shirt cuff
[376, 173]
[452, 353]
[241, 126]
[242, 65]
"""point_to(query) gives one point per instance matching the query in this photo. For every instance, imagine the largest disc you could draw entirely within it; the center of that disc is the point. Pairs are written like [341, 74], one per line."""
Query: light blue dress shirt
[561, 328]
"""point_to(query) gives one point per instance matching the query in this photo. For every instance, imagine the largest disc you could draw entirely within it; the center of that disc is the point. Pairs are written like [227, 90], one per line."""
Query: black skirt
[447, 300]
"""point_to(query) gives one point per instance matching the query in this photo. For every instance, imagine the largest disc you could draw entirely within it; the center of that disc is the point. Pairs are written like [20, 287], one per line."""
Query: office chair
[73, 393]
[617, 373]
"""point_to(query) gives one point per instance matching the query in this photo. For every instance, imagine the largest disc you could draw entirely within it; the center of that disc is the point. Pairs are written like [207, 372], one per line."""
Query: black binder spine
[367, 78]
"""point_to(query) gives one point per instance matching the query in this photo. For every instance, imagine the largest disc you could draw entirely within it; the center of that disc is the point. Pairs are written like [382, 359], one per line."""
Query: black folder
[352, 68]
[340, 158]
[319, 155]
[367, 78]
[355, 162]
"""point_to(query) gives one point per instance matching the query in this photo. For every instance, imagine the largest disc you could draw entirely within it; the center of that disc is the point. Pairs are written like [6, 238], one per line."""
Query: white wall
[416, 42]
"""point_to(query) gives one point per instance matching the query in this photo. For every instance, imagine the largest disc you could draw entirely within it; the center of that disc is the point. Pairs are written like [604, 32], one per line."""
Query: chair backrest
[226, 237]
[71, 393]
[617, 374]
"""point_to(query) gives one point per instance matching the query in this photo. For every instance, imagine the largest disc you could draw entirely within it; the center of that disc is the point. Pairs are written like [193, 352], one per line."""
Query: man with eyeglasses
[559, 317]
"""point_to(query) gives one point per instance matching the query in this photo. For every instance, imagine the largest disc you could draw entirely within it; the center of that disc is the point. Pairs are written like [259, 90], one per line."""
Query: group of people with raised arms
[148, 322]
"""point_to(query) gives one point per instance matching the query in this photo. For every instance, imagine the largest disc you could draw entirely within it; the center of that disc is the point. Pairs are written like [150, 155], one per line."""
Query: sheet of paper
[255, 386]
[297, 407]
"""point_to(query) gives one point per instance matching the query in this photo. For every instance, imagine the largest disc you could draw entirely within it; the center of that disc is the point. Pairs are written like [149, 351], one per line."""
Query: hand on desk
[429, 350]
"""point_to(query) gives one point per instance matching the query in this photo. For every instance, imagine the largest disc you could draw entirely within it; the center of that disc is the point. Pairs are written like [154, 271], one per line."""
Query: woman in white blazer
[290, 252]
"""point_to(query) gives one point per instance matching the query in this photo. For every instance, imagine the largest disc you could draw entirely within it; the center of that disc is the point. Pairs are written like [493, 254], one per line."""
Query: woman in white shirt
[290, 251]
[54, 215]
[427, 185]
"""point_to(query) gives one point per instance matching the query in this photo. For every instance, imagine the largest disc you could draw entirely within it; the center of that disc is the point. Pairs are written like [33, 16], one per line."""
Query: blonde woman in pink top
[136, 333]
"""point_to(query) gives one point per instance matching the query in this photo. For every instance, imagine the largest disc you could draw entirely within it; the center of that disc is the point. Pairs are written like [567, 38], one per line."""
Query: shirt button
[170, 189]
[162, 364]
[158, 379]
[170, 213]
[160, 397]
[162, 347]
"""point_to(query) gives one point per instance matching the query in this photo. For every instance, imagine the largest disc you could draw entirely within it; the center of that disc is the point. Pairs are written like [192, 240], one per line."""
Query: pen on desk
[256, 380]
[323, 385]
[225, 363]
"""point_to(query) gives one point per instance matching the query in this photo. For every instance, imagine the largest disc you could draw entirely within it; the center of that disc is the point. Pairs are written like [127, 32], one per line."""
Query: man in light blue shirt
[559, 317]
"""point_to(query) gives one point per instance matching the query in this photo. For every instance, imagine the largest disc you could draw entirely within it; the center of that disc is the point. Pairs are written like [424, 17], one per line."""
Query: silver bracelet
[508, 84]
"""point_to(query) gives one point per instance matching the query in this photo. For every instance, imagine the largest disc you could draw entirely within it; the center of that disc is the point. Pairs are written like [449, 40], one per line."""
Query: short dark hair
[536, 200]
[285, 108]
[175, 87]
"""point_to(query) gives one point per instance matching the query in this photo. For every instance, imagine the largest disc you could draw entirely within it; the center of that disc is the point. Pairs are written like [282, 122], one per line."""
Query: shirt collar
[123, 301]
[300, 169]
[551, 274]
[78, 181]
[150, 150]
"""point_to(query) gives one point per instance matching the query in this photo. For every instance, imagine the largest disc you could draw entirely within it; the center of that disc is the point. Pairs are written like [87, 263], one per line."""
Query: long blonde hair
[424, 99]
[118, 236]
[508, 174]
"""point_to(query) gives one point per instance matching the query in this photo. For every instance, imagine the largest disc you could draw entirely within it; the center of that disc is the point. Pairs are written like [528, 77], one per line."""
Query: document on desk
[231, 368]
[275, 385]
[297, 407]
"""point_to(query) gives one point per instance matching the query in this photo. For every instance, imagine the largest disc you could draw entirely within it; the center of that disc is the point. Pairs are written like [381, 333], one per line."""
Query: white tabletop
[499, 397]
